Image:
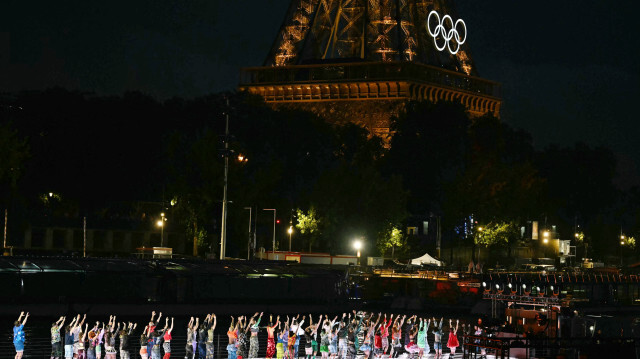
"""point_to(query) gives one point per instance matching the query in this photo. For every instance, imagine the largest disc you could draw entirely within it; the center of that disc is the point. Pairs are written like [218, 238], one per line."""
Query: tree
[15, 151]
[427, 151]
[391, 238]
[356, 201]
[496, 234]
[309, 225]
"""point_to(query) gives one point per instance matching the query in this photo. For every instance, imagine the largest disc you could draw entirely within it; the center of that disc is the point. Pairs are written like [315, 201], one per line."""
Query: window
[412, 231]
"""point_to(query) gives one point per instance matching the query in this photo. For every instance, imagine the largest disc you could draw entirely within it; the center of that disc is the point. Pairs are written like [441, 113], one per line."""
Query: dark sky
[570, 69]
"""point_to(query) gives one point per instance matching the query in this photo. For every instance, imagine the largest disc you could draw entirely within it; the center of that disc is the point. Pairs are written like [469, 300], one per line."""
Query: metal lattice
[367, 30]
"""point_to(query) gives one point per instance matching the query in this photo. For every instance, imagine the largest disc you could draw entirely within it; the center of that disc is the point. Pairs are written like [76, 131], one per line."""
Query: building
[359, 61]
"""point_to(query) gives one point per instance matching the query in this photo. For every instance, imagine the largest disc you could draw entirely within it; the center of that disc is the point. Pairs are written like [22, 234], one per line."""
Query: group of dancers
[343, 337]
[340, 337]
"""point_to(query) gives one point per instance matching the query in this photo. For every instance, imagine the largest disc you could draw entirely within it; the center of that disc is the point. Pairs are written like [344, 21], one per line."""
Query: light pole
[622, 237]
[6, 215]
[357, 244]
[223, 226]
[274, 229]
[249, 242]
[290, 231]
[160, 224]
[84, 236]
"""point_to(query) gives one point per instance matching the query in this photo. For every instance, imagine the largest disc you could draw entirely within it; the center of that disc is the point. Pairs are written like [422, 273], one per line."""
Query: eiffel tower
[360, 60]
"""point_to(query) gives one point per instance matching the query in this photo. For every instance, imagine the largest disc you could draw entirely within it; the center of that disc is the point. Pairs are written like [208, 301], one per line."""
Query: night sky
[570, 69]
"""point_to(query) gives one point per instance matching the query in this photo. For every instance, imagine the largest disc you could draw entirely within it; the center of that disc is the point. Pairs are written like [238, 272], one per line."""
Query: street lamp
[357, 244]
[249, 242]
[290, 231]
[274, 228]
[160, 224]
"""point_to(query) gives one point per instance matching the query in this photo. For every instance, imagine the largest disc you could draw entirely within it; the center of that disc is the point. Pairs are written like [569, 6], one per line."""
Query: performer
[333, 344]
[297, 329]
[369, 336]
[210, 332]
[309, 337]
[422, 342]
[281, 340]
[201, 336]
[384, 333]
[166, 345]
[342, 336]
[411, 346]
[18, 334]
[98, 340]
[192, 329]
[453, 343]
[152, 326]
[242, 337]
[91, 344]
[56, 343]
[396, 333]
[82, 336]
[437, 341]
[271, 345]
[76, 335]
[124, 339]
[144, 354]
[478, 332]
[291, 343]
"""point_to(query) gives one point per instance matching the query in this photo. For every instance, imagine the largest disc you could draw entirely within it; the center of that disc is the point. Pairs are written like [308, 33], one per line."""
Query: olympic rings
[440, 30]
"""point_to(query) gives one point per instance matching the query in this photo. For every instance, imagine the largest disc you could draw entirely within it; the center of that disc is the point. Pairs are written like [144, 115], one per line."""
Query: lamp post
[249, 242]
[223, 225]
[622, 237]
[160, 224]
[274, 229]
[357, 244]
[290, 231]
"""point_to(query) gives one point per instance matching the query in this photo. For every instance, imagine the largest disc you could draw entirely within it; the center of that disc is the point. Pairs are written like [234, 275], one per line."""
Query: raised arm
[197, 323]
[84, 333]
[21, 315]
[153, 314]
[25, 319]
[259, 319]
[159, 316]
[171, 328]
[73, 323]
[132, 327]
[84, 318]
[101, 334]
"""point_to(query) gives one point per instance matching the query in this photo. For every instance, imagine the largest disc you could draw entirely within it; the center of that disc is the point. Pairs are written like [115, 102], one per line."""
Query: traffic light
[277, 221]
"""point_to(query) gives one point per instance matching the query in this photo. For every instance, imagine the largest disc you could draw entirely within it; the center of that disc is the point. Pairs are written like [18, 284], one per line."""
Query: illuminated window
[412, 231]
